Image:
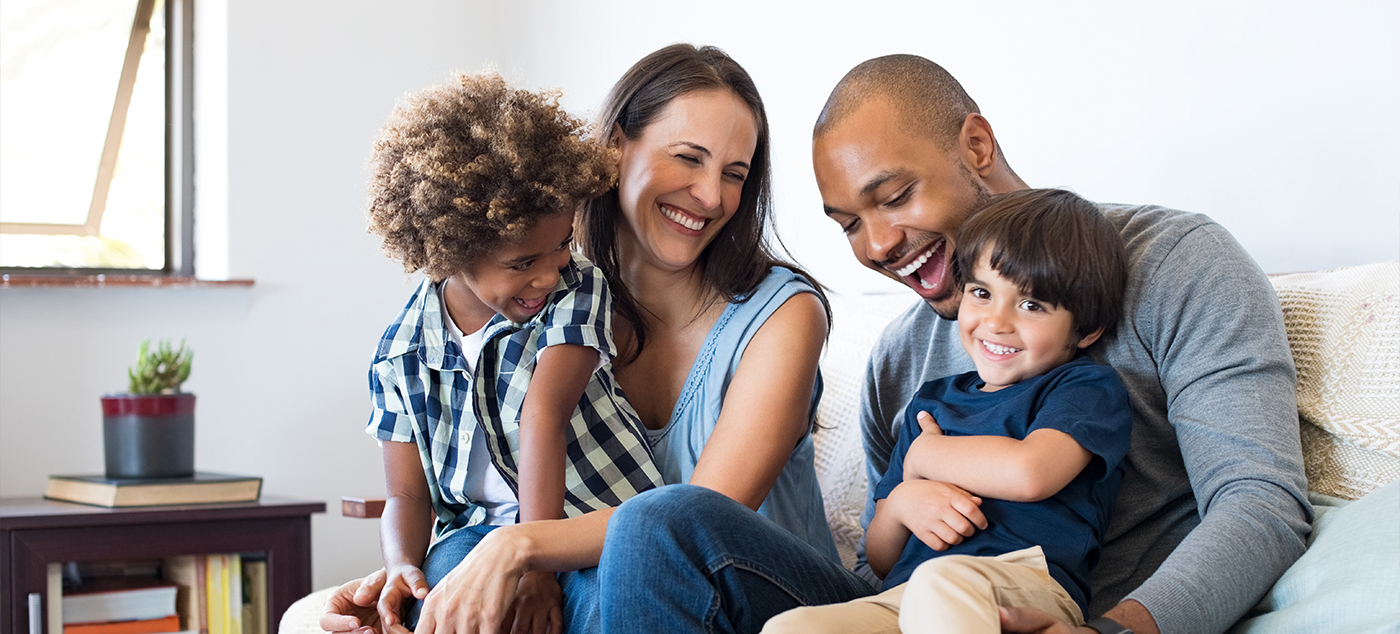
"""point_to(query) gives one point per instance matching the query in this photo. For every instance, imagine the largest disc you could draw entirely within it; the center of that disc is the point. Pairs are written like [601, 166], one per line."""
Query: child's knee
[954, 570]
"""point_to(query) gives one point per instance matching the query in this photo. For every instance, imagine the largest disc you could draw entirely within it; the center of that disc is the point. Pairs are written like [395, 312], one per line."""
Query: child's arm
[561, 375]
[405, 528]
[1026, 470]
[938, 513]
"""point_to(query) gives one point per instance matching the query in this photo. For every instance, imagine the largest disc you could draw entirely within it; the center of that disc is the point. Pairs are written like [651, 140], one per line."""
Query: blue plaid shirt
[424, 393]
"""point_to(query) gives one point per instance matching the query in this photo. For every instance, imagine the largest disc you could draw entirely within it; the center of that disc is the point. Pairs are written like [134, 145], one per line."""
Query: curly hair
[467, 166]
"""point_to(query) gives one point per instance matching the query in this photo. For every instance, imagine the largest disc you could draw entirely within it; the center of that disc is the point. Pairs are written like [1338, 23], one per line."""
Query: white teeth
[996, 349]
[683, 220]
[914, 266]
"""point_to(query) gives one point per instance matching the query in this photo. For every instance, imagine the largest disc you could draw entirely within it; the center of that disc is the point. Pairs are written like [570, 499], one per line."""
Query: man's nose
[882, 242]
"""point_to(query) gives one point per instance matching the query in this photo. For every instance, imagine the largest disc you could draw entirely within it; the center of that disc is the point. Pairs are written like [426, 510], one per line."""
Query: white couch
[1344, 330]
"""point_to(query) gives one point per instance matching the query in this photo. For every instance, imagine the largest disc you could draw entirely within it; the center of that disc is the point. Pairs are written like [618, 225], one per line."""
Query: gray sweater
[1213, 506]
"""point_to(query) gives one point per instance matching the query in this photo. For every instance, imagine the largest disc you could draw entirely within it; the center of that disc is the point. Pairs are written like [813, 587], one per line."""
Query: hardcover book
[201, 488]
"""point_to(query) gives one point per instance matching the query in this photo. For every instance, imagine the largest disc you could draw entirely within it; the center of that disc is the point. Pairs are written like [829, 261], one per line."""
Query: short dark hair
[1056, 247]
[467, 166]
[929, 100]
[739, 257]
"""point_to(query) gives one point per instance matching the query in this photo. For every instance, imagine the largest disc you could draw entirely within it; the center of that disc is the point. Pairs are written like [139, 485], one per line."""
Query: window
[95, 136]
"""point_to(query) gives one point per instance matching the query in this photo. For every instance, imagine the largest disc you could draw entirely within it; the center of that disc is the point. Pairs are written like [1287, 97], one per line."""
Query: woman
[720, 344]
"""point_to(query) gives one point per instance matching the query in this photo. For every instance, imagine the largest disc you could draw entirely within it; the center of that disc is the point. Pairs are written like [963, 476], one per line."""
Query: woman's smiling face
[681, 179]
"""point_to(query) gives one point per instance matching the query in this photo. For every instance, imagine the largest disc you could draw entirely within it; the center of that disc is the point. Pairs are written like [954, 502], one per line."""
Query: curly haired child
[494, 398]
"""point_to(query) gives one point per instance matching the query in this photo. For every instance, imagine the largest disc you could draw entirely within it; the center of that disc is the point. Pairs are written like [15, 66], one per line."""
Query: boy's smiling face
[515, 280]
[1010, 335]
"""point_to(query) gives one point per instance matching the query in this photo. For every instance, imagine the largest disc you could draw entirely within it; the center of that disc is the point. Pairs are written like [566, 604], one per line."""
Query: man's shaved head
[930, 102]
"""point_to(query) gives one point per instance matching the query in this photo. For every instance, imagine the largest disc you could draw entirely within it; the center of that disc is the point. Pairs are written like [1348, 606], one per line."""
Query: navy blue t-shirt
[1080, 398]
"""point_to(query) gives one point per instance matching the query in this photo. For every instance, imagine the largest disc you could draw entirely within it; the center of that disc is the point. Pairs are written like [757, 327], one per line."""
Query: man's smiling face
[899, 198]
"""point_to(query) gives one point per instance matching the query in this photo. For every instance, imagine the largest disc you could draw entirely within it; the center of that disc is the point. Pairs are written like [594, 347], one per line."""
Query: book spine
[54, 611]
[201, 567]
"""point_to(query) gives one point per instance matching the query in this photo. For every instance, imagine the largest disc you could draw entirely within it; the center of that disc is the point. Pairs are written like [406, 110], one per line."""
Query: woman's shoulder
[780, 283]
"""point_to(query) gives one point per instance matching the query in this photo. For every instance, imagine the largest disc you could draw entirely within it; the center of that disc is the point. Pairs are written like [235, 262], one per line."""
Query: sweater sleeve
[1215, 329]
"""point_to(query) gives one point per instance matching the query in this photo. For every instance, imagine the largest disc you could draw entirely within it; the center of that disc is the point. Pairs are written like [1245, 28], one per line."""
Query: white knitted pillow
[1344, 331]
[857, 322]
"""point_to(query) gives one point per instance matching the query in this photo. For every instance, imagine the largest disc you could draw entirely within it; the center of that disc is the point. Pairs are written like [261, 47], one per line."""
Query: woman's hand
[538, 607]
[353, 606]
[478, 594]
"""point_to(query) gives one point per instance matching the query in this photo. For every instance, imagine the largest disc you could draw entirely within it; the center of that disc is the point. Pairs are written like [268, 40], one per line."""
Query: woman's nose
[706, 190]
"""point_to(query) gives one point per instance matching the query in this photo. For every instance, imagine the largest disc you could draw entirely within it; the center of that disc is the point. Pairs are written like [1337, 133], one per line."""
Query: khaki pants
[955, 593]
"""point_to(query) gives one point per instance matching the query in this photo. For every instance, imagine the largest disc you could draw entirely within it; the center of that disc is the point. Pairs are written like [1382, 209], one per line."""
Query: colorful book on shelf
[216, 593]
[255, 608]
[145, 626]
[187, 572]
[121, 604]
[201, 488]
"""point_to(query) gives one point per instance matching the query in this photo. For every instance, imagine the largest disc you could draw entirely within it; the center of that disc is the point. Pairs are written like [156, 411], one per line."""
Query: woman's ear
[616, 137]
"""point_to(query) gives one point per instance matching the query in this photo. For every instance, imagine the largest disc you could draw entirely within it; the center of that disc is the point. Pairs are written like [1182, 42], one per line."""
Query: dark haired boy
[1021, 457]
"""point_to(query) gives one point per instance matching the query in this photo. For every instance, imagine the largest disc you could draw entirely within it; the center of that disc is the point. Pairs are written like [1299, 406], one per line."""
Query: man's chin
[945, 307]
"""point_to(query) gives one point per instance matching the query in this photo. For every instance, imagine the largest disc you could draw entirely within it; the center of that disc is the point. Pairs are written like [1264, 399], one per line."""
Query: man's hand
[353, 607]
[939, 514]
[1035, 621]
[538, 607]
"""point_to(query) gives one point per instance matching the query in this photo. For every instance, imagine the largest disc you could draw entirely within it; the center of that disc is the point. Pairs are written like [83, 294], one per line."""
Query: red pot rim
[147, 404]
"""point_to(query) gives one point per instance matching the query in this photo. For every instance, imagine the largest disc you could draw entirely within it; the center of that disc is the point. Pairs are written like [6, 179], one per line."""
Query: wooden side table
[35, 532]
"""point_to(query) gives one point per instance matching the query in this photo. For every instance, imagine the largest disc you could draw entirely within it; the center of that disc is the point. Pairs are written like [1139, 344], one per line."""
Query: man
[1213, 503]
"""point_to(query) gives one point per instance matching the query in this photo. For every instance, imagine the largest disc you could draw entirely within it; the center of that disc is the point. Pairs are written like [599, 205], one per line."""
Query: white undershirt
[484, 484]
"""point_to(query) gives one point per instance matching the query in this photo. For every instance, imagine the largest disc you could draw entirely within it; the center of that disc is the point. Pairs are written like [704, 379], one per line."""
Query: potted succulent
[148, 432]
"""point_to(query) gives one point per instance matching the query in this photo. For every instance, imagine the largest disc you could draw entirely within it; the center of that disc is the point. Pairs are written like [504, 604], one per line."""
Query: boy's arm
[405, 528]
[1026, 470]
[938, 513]
[561, 375]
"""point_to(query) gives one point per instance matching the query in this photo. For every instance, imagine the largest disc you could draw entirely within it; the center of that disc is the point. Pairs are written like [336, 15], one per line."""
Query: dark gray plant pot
[148, 435]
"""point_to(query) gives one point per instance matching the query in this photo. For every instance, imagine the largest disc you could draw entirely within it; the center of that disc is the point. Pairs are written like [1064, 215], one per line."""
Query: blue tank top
[795, 502]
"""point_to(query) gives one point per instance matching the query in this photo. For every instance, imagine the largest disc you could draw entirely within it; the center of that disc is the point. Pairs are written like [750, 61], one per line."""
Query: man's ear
[979, 145]
[1089, 339]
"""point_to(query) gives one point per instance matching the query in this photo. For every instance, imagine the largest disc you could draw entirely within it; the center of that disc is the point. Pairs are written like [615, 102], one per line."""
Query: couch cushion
[1349, 578]
[857, 322]
[1344, 331]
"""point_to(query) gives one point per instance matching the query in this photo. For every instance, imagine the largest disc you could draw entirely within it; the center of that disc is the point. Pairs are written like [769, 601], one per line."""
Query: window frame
[179, 155]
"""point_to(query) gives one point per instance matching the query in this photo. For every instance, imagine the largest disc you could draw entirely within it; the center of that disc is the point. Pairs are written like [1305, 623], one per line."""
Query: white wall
[1275, 118]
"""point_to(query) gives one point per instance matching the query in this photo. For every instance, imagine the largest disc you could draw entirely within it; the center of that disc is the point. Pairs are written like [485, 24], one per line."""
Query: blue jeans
[580, 587]
[683, 558]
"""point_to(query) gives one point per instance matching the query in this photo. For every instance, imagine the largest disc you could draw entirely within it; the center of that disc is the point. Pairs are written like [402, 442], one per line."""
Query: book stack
[137, 610]
[201, 488]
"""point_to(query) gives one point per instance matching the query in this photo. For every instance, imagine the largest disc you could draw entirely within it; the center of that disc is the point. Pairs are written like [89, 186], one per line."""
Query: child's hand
[930, 434]
[538, 605]
[939, 514]
[929, 425]
[401, 583]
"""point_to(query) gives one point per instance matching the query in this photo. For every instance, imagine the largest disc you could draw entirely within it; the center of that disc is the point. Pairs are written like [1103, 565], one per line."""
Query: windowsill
[109, 280]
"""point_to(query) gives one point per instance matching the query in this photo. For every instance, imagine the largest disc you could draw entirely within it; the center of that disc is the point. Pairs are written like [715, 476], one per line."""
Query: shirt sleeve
[581, 314]
[389, 417]
[1216, 332]
[1090, 404]
[894, 471]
